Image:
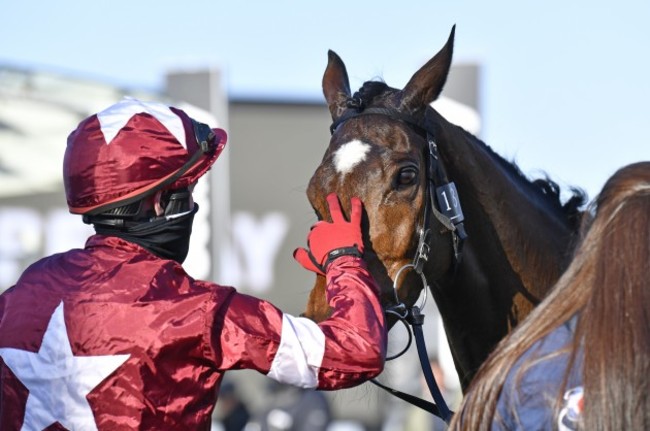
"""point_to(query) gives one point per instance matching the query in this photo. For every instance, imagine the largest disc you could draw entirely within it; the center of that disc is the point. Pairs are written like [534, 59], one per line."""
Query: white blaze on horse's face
[349, 155]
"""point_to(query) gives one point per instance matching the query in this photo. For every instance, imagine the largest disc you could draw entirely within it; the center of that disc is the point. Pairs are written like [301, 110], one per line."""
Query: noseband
[445, 207]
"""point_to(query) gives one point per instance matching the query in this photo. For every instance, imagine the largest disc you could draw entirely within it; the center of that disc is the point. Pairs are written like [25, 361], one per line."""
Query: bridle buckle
[422, 253]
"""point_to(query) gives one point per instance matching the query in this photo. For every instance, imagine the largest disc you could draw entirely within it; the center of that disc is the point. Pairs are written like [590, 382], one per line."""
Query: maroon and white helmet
[132, 149]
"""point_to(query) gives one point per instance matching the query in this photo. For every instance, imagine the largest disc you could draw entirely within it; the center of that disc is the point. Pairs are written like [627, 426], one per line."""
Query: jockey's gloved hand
[328, 241]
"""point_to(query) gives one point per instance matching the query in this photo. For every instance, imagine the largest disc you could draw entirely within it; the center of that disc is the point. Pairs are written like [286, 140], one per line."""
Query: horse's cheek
[392, 236]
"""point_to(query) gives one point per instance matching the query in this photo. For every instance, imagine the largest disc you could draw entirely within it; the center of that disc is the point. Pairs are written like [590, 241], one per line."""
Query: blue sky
[565, 86]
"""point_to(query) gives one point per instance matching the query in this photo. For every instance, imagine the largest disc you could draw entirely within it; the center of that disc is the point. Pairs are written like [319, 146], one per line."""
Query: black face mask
[166, 237]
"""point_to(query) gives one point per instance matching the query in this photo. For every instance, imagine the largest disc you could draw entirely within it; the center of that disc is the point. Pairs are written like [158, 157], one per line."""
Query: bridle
[444, 204]
[441, 202]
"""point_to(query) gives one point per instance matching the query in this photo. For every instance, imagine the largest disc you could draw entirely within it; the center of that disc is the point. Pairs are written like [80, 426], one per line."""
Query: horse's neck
[516, 248]
[504, 213]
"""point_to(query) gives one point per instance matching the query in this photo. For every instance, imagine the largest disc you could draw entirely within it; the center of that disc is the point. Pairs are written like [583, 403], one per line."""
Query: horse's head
[379, 152]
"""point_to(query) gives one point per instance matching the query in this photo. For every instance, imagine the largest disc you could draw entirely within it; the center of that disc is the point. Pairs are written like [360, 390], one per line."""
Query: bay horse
[392, 149]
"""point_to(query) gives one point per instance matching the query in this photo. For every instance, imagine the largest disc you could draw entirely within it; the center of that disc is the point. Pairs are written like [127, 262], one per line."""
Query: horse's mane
[547, 188]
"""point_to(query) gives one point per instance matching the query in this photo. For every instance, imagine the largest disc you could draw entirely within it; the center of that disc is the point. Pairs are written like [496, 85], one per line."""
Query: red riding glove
[327, 241]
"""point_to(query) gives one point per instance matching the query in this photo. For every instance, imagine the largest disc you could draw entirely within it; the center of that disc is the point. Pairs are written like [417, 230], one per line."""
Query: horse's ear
[426, 84]
[336, 85]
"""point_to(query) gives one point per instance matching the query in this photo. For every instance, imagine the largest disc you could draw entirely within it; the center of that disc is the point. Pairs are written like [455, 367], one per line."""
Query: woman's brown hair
[608, 286]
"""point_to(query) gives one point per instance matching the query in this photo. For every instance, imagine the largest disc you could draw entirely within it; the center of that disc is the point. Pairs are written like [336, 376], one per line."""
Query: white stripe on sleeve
[300, 355]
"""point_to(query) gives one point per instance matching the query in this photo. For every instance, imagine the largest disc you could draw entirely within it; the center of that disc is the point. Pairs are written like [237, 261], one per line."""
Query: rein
[445, 207]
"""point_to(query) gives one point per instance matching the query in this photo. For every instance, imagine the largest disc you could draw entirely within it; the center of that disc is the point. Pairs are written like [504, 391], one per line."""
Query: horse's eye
[407, 176]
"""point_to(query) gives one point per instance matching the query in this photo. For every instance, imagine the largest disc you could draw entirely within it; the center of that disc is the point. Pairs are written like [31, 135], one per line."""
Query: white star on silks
[58, 382]
[115, 117]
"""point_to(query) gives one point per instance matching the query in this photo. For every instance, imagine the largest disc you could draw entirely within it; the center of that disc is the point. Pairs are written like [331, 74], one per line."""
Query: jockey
[118, 336]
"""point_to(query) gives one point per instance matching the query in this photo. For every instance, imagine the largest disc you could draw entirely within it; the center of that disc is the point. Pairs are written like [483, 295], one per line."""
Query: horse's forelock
[369, 91]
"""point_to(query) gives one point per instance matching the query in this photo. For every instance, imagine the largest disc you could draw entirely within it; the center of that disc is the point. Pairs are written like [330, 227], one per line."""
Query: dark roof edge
[276, 100]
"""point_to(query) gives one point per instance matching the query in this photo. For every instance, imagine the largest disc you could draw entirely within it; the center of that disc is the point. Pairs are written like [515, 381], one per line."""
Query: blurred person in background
[233, 412]
[418, 419]
[292, 408]
[117, 336]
